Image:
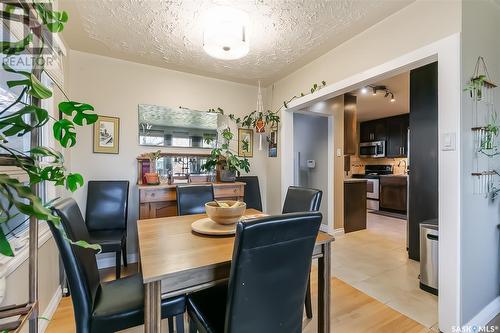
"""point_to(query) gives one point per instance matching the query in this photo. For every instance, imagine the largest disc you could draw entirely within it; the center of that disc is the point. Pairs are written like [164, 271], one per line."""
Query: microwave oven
[374, 149]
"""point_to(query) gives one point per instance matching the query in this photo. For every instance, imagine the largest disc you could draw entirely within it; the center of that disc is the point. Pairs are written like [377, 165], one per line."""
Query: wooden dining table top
[168, 246]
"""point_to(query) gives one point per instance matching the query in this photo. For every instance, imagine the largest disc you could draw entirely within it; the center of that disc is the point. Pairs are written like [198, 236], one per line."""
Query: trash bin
[429, 256]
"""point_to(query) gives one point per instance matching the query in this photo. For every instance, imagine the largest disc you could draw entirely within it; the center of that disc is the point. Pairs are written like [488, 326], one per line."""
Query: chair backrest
[269, 273]
[191, 199]
[79, 263]
[252, 192]
[107, 204]
[302, 199]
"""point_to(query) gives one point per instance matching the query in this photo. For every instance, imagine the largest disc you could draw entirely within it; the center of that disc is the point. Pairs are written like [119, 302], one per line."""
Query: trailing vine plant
[224, 156]
[21, 118]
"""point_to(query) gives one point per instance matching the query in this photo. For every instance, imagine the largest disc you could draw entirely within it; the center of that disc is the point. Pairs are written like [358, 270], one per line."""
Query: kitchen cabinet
[393, 193]
[424, 138]
[354, 205]
[373, 130]
[397, 136]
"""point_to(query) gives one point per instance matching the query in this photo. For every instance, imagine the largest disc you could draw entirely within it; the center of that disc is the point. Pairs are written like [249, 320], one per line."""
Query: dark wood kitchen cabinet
[393, 193]
[354, 205]
[373, 130]
[397, 136]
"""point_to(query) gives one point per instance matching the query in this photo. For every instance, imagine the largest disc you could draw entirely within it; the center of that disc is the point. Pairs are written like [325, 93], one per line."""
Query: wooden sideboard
[161, 200]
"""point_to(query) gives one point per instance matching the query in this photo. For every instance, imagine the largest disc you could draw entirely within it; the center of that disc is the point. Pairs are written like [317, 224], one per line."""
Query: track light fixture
[376, 89]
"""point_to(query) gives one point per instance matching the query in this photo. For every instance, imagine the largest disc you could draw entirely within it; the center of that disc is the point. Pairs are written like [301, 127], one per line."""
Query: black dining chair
[106, 217]
[302, 199]
[252, 192]
[101, 306]
[191, 199]
[268, 279]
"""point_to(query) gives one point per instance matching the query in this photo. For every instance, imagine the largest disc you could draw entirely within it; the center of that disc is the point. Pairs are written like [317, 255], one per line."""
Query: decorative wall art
[107, 135]
[245, 142]
[273, 143]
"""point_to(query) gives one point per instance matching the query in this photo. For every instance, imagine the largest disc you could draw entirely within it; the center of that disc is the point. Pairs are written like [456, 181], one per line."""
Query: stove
[372, 175]
[377, 170]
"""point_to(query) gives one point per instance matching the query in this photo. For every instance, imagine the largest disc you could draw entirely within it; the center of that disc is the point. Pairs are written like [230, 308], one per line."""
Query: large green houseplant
[224, 160]
[21, 118]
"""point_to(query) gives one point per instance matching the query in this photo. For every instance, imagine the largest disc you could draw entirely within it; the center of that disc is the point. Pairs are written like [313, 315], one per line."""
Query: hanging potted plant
[226, 164]
[152, 177]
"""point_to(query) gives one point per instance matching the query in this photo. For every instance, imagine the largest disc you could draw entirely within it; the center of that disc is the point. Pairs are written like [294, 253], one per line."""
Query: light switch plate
[448, 141]
[339, 152]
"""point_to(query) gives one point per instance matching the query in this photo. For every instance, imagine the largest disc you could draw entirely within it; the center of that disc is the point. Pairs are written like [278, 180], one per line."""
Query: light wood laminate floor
[375, 261]
[352, 312]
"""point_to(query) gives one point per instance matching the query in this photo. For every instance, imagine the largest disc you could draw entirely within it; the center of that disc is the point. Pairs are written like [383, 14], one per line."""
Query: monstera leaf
[23, 121]
[64, 132]
[70, 107]
[11, 48]
[35, 87]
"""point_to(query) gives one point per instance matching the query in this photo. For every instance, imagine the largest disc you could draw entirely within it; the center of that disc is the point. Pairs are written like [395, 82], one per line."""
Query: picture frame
[107, 135]
[273, 143]
[245, 142]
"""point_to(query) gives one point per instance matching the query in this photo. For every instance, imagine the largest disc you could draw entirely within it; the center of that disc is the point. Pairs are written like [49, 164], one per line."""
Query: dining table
[174, 260]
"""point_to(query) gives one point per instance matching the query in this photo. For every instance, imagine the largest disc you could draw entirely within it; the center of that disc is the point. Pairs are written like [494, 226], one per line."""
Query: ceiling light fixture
[225, 34]
[375, 89]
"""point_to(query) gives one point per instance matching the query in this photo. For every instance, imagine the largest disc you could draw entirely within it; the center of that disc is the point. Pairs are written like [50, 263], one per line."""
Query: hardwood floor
[352, 312]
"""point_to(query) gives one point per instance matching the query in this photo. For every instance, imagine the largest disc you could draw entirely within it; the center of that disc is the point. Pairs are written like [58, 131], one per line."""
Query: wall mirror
[178, 127]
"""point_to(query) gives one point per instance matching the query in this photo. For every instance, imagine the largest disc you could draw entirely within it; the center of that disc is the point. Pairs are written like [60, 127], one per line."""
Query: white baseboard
[106, 260]
[49, 311]
[338, 232]
[486, 314]
[326, 228]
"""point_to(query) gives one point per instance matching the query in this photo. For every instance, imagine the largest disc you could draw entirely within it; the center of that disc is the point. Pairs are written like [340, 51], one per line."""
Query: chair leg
[118, 264]
[308, 303]
[170, 324]
[179, 323]
[124, 252]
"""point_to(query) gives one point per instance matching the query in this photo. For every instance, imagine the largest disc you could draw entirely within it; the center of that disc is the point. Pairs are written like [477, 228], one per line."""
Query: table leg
[152, 307]
[324, 267]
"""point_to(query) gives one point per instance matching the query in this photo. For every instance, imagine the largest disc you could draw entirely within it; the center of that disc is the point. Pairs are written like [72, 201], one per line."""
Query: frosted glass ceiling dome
[225, 34]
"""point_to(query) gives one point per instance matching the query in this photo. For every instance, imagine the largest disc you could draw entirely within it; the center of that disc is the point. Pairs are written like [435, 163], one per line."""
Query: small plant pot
[227, 176]
[152, 178]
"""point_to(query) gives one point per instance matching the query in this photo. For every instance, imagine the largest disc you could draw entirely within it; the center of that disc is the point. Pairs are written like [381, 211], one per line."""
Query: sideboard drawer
[156, 195]
[228, 191]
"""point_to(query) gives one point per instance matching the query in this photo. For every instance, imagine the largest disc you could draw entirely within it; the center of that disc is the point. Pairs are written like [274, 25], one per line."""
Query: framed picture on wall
[245, 142]
[107, 135]
[273, 143]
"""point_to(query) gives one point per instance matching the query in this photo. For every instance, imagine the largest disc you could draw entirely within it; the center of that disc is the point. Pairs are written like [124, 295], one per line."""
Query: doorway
[310, 147]
[447, 53]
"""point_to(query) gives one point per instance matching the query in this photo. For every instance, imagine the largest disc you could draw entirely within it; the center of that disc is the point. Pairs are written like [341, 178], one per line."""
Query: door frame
[448, 54]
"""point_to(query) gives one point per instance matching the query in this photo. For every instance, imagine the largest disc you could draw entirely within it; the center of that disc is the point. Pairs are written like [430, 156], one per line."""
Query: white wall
[480, 271]
[416, 25]
[310, 139]
[115, 88]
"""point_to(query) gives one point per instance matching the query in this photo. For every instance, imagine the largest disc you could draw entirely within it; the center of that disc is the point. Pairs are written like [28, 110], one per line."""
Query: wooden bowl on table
[225, 212]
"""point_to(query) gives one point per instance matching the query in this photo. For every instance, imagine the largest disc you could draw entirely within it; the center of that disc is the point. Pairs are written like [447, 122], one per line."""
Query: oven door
[372, 194]
[372, 189]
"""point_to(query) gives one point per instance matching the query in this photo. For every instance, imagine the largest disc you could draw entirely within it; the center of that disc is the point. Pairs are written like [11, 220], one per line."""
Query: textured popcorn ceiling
[284, 34]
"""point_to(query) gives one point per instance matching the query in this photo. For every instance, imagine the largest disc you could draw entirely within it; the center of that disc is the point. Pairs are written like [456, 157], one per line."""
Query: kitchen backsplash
[358, 164]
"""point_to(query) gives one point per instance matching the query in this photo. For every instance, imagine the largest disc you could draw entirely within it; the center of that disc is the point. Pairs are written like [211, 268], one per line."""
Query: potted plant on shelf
[152, 177]
[226, 164]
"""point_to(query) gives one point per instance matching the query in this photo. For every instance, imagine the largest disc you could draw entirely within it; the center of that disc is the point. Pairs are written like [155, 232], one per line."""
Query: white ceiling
[284, 35]
[371, 107]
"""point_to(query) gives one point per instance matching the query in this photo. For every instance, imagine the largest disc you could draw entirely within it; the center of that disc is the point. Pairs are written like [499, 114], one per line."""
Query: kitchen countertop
[401, 176]
[355, 180]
